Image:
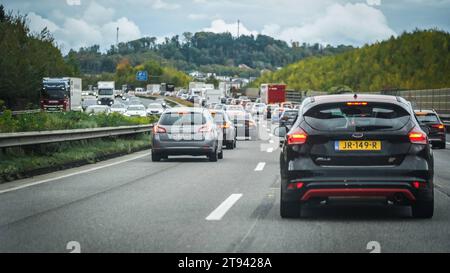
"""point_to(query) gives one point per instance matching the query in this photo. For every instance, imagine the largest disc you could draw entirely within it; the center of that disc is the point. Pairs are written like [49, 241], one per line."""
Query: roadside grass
[44, 121]
[17, 163]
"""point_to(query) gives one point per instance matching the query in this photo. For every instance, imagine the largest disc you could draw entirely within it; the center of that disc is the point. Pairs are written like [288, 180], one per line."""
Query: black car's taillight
[417, 136]
[297, 136]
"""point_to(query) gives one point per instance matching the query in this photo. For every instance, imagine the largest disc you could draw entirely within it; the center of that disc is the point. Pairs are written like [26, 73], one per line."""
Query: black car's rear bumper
[380, 181]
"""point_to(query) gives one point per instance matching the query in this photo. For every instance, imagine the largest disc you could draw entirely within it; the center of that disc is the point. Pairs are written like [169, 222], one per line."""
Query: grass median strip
[17, 163]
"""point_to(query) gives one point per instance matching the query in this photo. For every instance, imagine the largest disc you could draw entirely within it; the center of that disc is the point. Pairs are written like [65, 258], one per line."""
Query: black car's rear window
[182, 118]
[427, 118]
[355, 118]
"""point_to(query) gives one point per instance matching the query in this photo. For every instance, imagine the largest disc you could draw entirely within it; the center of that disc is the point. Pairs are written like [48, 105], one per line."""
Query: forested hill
[204, 51]
[417, 60]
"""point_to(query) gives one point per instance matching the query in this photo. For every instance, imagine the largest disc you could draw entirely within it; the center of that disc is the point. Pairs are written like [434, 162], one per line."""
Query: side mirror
[280, 131]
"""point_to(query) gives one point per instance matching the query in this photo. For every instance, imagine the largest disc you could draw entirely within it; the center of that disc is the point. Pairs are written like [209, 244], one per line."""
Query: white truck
[213, 95]
[153, 89]
[105, 93]
[61, 94]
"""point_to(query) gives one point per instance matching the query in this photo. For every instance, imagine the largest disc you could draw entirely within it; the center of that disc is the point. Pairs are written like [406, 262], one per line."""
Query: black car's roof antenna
[355, 96]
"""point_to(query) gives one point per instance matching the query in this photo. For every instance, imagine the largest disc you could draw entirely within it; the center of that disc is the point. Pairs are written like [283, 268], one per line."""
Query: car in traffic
[88, 101]
[196, 99]
[98, 109]
[229, 133]
[137, 110]
[246, 126]
[118, 108]
[155, 109]
[187, 131]
[436, 128]
[356, 146]
[287, 104]
[235, 108]
[220, 106]
[248, 107]
[258, 109]
[276, 114]
[269, 110]
[288, 117]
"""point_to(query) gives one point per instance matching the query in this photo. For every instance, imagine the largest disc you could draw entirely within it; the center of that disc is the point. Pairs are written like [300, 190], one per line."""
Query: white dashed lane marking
[260, 166]
[222, 209]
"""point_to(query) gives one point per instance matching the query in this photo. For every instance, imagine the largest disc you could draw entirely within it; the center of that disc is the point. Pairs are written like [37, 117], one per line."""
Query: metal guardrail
[24, 112]
[44, 137]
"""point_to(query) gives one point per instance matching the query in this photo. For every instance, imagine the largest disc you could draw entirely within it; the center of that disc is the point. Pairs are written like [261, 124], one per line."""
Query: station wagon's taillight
[159, 130]
[298, 136]
[441, 127]
[417, 136]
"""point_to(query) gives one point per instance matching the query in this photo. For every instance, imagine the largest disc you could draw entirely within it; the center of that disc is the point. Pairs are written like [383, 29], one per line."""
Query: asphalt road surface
[130, 204]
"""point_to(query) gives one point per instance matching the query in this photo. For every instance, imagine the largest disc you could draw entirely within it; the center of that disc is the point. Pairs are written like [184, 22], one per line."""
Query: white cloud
[160, 4]
[73, 2]
[96, 26]
[128, 31]
[198, 16]
[37, 23]
[373, 2]
[220, 26]
[354, 24]
[97, 14]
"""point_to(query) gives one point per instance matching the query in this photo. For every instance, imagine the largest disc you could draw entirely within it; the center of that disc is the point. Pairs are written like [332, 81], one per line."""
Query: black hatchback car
[356, 146]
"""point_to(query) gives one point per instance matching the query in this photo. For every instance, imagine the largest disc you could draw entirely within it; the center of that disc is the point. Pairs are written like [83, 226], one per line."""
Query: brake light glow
[159, 130]
[298, 136]
[438, 126]
[226, 125]
[357, 103]
[419, 185]
[296, 185]
[417, 136]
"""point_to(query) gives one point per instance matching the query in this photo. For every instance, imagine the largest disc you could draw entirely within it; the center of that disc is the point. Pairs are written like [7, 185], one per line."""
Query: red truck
[273, 93]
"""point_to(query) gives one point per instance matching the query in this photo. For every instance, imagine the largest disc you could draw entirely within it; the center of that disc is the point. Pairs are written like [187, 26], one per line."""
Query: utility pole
[117, 39]
[239, 22]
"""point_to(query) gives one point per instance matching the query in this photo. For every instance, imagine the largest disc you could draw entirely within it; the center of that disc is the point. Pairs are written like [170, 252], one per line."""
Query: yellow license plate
[358, 145]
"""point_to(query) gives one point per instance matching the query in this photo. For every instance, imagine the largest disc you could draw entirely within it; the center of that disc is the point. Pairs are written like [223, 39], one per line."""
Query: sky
[80, 23]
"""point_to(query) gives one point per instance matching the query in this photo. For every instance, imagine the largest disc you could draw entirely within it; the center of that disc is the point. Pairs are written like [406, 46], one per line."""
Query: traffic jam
[367, 146]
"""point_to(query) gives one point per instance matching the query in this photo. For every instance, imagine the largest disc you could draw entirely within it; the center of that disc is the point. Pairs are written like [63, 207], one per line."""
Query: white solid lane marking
[270, 150]
[72, 174]
[448, 143]
[260, 166]
[271, 141]
[220, 211]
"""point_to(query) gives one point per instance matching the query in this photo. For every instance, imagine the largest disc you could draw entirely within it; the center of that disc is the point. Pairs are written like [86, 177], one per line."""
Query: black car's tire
[213, 156]
[423, 209]
[220, 155]
[442, 145]
[290, 209]
[156, 157]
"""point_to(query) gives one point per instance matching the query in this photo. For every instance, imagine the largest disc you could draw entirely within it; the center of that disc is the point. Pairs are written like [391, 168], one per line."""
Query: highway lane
[141, 206]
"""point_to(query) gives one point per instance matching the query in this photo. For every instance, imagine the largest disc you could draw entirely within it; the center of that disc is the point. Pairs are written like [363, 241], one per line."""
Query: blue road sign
[142, 76]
